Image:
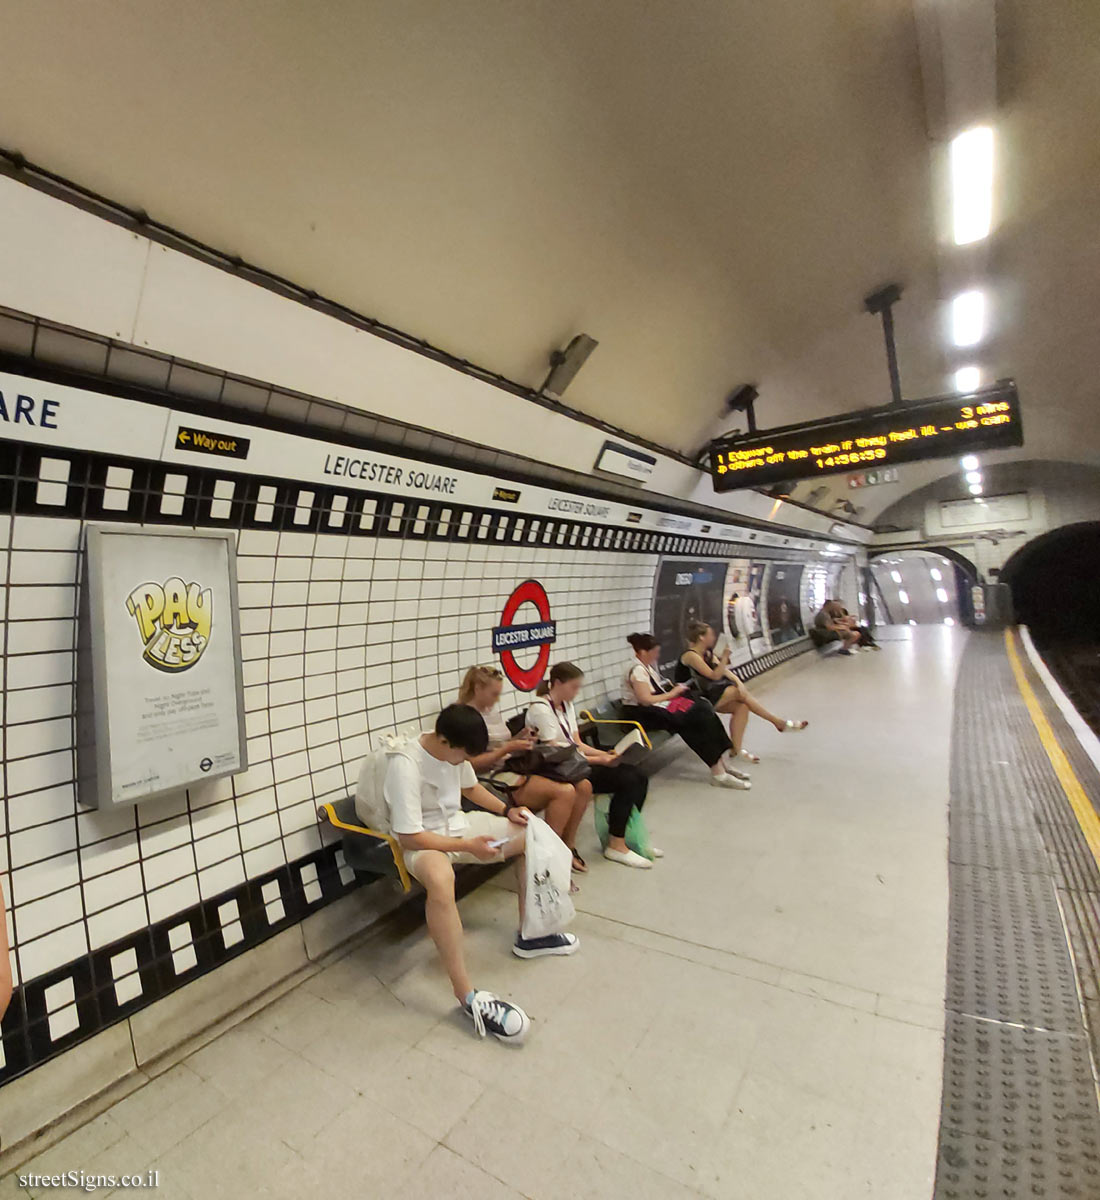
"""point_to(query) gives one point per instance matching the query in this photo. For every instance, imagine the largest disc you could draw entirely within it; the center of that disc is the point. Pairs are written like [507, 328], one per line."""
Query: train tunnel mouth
[1055, 583]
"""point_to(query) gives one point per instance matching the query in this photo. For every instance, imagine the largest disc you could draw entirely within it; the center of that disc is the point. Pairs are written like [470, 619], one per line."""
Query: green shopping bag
[637, 835]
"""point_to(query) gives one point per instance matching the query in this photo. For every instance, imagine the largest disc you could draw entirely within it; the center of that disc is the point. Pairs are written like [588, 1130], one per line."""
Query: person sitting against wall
[657, 704]
[554, 720]
[715, 679]
[828, 627]
[424, 790]
[563, 804]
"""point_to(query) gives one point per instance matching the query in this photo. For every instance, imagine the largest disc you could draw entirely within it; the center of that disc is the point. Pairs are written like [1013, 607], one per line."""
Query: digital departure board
[988, 419]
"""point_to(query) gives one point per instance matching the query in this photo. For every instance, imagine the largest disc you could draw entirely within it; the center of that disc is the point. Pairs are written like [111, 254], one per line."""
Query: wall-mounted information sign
[160, 697]
[873, 438]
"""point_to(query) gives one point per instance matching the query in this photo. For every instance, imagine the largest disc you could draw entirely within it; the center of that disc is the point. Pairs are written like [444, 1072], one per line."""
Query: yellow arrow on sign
[184, 436]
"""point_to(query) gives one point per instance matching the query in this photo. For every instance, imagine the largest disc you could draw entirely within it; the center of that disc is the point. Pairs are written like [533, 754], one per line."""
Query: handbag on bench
[565, 764]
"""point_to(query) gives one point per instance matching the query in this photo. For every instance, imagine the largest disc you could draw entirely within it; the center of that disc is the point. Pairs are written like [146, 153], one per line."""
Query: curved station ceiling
[710, 189]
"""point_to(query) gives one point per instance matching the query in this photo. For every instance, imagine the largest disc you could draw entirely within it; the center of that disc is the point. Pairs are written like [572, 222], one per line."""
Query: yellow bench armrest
[587, 716]
[326, 812]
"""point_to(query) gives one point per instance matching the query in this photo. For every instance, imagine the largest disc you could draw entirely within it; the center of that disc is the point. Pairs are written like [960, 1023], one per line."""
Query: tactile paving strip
[1020, 1115]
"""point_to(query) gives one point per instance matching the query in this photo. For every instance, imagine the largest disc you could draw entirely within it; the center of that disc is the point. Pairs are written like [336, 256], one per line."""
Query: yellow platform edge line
[1083, 810]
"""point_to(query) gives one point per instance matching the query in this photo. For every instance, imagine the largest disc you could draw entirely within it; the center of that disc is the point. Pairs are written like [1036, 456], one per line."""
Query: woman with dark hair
[714, 678]
[554, 720]
[657, 704]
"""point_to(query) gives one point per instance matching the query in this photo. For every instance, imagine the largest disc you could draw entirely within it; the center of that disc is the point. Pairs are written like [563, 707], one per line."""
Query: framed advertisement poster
[160, 702]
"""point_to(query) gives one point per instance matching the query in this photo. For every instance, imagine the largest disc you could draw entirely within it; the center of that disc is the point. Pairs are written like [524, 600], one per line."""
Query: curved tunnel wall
[1055, 582]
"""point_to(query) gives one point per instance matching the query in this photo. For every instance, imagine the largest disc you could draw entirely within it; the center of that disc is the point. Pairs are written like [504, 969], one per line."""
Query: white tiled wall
[343, 637]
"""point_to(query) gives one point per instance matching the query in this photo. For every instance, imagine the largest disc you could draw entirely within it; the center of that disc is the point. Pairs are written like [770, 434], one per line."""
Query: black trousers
[627, 787]
[700, 727]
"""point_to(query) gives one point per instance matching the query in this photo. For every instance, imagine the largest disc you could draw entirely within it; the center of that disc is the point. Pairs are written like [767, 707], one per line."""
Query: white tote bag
[548, 907]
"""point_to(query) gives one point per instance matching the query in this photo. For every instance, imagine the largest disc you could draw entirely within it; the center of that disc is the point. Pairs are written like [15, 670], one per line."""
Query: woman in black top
[656, 704]
[715, 679]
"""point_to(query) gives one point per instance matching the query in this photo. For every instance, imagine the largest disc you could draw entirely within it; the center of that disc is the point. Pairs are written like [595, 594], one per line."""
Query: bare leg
[555, 799]
[434, 870]
[582, 797]
[514, 853]
[754, 706]
[729, 699]
[738, 720]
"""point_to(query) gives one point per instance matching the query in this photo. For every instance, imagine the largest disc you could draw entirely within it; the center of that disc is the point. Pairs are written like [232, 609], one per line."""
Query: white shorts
[478, 824]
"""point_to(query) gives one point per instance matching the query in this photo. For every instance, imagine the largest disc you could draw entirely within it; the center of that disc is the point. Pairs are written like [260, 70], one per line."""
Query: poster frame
[95, 777]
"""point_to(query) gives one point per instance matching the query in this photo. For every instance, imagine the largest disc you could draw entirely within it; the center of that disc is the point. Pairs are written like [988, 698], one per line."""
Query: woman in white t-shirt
[554, 720]
[560, 803]
[655, 703]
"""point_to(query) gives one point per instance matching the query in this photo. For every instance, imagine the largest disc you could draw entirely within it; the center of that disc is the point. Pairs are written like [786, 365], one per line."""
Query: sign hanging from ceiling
[625, 460]
[873, 438]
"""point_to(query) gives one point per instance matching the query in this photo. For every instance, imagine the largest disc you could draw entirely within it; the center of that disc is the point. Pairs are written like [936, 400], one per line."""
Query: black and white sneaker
[491, 1014]
[555, 943]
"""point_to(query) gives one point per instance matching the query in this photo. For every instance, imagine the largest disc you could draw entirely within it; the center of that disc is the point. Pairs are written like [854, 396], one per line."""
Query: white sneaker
[657, 853]
[627, 858]
[730, 781]
[735, 772]
[491, 1014]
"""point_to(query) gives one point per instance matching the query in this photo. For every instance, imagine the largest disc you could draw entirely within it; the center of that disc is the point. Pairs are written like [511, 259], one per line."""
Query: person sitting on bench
[562, 804]
[554, 719]
[828, 628]
[657, 704]
[840, 613]
[423, 792]
[716, 680]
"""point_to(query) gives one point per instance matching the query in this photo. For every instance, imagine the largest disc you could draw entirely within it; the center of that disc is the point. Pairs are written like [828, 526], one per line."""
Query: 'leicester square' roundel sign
[510, 636]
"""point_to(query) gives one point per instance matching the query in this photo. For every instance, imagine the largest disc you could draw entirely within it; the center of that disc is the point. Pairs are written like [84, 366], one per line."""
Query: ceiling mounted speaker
[564, 364]
[741, 398]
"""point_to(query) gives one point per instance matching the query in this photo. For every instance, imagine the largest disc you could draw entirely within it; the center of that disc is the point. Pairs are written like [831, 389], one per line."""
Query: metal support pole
[882, 302]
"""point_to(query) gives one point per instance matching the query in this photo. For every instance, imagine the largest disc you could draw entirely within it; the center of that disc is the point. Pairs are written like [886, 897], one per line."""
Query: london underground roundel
[517, 632]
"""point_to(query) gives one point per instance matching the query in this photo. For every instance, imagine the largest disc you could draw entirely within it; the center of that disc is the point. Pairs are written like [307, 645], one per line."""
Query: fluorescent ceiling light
[936, 574]
[903, 596]
[895, 576]
[972, 184]
[968, 379]
[973, 477]
[969, 462]
[941, 595]
[975, 489]
[968, 318]
[949, 620]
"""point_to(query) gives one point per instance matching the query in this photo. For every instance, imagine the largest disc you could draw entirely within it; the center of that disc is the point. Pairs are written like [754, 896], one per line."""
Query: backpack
[370, 799]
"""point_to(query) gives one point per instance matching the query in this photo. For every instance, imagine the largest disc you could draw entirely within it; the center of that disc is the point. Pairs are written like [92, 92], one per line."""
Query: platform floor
[759, 1016]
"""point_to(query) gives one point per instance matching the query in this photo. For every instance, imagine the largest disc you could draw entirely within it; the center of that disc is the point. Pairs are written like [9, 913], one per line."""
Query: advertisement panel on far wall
[784, 603]
[687, 590]
[744, 580]
[816, 589]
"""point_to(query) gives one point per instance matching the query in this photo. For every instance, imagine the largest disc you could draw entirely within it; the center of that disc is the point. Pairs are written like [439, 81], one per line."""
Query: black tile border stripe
[25, 1029]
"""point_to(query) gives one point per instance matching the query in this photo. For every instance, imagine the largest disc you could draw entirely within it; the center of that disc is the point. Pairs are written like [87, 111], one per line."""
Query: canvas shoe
[554, 943]
[491, 1014]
